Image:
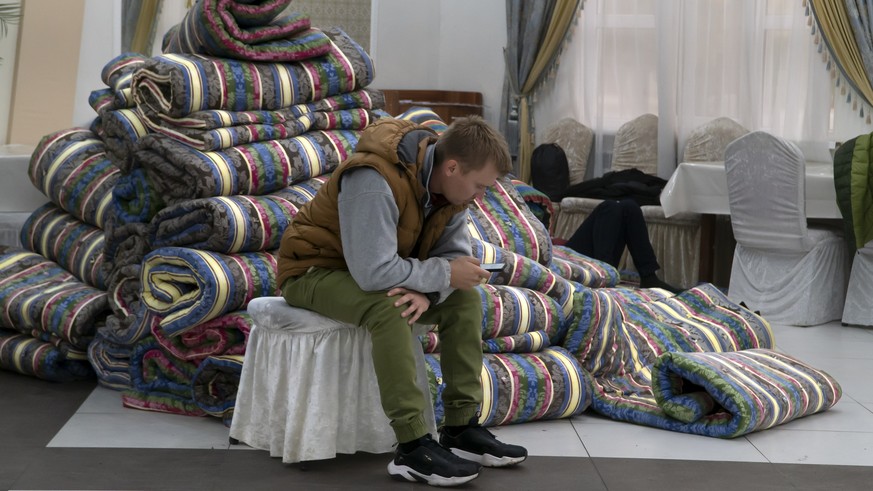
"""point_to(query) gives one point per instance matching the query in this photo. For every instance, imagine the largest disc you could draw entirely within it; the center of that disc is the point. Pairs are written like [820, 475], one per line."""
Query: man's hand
[418, 303]
[466, 273]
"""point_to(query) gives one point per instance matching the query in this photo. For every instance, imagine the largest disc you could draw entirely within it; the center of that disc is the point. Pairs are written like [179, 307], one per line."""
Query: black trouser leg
[601, 235]
[636, 235]
[612, 226]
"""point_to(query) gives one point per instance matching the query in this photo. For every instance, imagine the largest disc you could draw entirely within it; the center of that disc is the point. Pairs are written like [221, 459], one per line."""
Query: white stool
[308, 390]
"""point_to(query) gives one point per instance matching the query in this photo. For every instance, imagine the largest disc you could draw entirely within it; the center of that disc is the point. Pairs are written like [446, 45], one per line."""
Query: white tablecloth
[701, 187]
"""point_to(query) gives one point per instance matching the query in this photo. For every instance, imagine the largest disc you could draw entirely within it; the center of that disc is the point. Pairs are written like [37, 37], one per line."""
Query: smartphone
[492, 266]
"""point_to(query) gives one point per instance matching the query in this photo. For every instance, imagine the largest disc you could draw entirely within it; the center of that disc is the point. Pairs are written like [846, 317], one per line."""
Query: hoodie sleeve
[368, 227]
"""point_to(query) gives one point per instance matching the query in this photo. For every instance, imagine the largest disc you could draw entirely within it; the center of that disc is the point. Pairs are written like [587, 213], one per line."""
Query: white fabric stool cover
[858, 309]
[308, 389]
[792, 273]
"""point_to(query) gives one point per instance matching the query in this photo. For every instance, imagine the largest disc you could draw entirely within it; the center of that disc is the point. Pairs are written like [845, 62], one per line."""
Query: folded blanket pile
[186, 287]
[177, 172]
[30, 356]
[117, 74]
[234, 223]
[74, 245]
[41, 300]
[159, 382]
[215, 385]
[209, 178]
[668, 363]
[179, 84]
[248, 30]
[71, 168]
[230, 129]
[733, 393]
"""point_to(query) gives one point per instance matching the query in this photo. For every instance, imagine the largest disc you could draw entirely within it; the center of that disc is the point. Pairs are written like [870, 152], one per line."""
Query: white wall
[441, 45]
[7, 69]
[101, 41]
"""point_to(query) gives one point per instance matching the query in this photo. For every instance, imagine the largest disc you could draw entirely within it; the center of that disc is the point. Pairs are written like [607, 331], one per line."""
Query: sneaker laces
[426, 441]
[478, 427]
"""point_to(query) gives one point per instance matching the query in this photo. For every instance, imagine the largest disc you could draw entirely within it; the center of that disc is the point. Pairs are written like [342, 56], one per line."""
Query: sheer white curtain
[691, 61]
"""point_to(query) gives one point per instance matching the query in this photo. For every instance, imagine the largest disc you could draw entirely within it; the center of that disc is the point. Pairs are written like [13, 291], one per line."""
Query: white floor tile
[133, 428]
[846, 415]
[626, 440]
[555, 438]
[852, 374]
[590, 418]
[812, 343]
[815, 447]
[103, 400]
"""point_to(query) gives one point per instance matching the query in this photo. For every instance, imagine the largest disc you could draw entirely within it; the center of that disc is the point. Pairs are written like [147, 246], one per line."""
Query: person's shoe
[652, 281]
[433, 464]
[475, 443]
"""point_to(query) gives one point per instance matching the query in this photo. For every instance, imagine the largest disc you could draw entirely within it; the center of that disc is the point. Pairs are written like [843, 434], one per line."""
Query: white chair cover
[308, 390]
[858, 309]
[708, 141]
[575, 139]
[791, 273]
[636, 145]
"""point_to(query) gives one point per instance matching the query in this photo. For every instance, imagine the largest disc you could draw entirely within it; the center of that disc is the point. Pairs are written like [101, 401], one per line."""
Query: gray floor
[77, 436]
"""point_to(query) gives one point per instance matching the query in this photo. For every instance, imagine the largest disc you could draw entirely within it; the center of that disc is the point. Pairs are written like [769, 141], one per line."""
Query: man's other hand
[417, 303]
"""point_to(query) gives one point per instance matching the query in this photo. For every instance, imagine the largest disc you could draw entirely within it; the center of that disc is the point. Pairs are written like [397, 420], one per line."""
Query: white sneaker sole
[412, 475]
[487, 460]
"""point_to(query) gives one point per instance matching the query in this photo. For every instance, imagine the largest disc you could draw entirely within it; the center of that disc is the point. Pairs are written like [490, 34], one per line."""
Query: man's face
[461, 188]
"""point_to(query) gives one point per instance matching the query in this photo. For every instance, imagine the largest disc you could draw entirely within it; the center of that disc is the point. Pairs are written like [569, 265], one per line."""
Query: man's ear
[452, 166]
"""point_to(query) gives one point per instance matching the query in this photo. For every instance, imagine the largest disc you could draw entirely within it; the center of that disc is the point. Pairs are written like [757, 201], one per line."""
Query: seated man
[385, 244]
[612, 226]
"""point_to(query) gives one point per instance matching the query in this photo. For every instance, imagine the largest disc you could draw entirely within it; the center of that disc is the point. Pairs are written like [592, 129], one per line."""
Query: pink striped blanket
[253, 30]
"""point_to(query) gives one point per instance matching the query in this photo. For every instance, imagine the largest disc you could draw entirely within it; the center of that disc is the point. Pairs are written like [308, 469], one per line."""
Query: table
[701, 187]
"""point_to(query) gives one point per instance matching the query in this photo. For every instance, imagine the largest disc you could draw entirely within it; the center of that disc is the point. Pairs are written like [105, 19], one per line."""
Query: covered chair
[575, 139]
[707, 142]
[853, 183]
[676, 240]
[791, 272]
[858, 309]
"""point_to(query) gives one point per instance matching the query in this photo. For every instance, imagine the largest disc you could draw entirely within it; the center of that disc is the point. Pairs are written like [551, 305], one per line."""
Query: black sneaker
[430, 463]
[479, 445]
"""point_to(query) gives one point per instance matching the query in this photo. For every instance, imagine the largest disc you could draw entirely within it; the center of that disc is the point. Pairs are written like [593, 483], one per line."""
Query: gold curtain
[144, 30]
[562, 17]
[833, 22]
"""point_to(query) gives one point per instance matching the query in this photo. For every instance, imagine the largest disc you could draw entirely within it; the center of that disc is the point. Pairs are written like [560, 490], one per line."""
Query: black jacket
[643, 188]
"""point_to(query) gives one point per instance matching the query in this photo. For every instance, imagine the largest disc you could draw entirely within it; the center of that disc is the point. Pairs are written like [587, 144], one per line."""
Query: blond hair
[473, 142]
